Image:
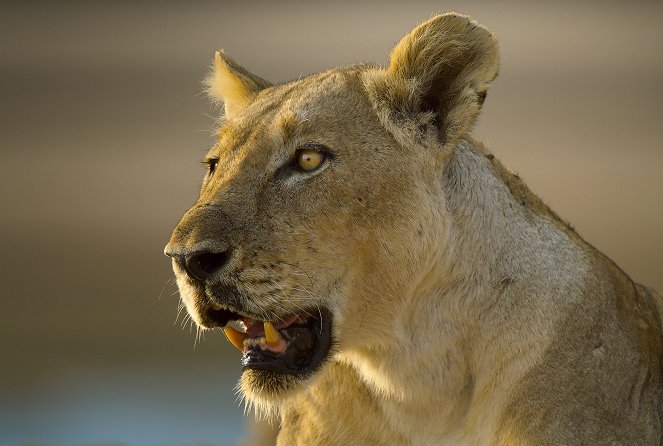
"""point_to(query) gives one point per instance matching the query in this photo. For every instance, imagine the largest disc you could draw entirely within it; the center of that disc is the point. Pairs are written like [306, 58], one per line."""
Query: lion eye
[211, 165]
[309, 159]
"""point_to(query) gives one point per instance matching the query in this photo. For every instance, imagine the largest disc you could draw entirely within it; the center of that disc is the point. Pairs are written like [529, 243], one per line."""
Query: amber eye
[309, 159]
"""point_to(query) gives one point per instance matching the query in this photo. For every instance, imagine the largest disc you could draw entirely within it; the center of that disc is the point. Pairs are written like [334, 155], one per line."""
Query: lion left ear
[232, 84]
[442, 69]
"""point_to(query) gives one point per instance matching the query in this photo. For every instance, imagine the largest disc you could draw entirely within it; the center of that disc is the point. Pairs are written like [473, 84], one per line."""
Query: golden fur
[465, 311]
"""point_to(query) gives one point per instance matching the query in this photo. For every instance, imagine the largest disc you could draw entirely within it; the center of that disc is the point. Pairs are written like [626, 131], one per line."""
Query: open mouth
[296, 345]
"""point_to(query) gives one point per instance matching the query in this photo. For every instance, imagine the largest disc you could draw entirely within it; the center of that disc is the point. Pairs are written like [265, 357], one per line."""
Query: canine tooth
[216, 306]
[235, 337]
[272, 335]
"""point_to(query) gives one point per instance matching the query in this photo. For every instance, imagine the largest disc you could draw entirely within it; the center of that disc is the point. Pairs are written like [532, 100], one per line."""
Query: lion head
[321, 209]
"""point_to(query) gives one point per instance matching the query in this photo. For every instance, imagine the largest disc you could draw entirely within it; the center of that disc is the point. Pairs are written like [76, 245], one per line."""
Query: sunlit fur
[465, 311]
[231, 84]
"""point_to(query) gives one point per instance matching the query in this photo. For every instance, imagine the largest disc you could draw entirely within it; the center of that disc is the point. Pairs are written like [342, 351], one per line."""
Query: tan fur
[465, 311]
[232, 85]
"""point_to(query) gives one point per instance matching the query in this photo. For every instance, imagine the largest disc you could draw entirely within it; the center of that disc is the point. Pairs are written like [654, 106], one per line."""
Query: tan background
[102, 127]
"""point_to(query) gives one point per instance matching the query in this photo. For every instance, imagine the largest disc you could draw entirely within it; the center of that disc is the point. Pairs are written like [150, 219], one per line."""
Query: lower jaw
[269, 390]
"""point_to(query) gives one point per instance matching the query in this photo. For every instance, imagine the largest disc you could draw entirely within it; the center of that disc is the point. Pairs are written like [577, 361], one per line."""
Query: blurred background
[103, 124]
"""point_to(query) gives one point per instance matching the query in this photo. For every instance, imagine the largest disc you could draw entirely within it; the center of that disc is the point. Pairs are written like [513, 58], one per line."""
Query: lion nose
[200, 265]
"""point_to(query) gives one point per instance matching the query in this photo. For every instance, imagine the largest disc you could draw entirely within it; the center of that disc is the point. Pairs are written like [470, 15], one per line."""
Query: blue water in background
[126, 406]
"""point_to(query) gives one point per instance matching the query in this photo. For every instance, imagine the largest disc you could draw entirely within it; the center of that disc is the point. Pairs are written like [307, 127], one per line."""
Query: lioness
[388, 281]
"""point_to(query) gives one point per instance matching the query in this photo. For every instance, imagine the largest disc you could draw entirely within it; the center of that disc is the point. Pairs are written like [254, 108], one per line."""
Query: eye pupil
[211, 165]
[309, 159]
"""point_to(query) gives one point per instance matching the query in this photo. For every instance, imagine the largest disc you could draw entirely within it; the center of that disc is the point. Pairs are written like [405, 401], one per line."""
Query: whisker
[301, 269]
[180, 307]
[169, 282]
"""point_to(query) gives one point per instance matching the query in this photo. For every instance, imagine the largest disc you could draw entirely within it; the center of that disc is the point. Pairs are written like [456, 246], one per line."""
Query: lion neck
[441, 354]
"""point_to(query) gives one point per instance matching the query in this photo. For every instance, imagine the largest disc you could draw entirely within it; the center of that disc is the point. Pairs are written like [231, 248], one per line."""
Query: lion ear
[442, 68]
[232, 84]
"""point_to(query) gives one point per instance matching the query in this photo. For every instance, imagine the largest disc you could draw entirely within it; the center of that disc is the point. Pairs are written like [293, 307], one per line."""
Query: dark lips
[308, 346]
[304, 344]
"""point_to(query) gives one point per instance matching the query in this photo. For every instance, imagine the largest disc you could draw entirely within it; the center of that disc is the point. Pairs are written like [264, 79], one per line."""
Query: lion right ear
[232, 84]
[438, 74]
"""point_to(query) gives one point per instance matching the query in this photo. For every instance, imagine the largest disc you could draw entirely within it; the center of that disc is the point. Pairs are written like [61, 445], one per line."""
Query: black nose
[201, 265]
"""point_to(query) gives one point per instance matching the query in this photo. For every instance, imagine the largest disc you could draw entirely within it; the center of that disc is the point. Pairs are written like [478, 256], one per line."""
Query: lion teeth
[250, 342]
[272, 335]
[236, 338]
[272, 339]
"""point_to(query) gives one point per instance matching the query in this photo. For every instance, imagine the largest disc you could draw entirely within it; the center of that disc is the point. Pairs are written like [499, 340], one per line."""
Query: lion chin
[267, 391]
[388, 281]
